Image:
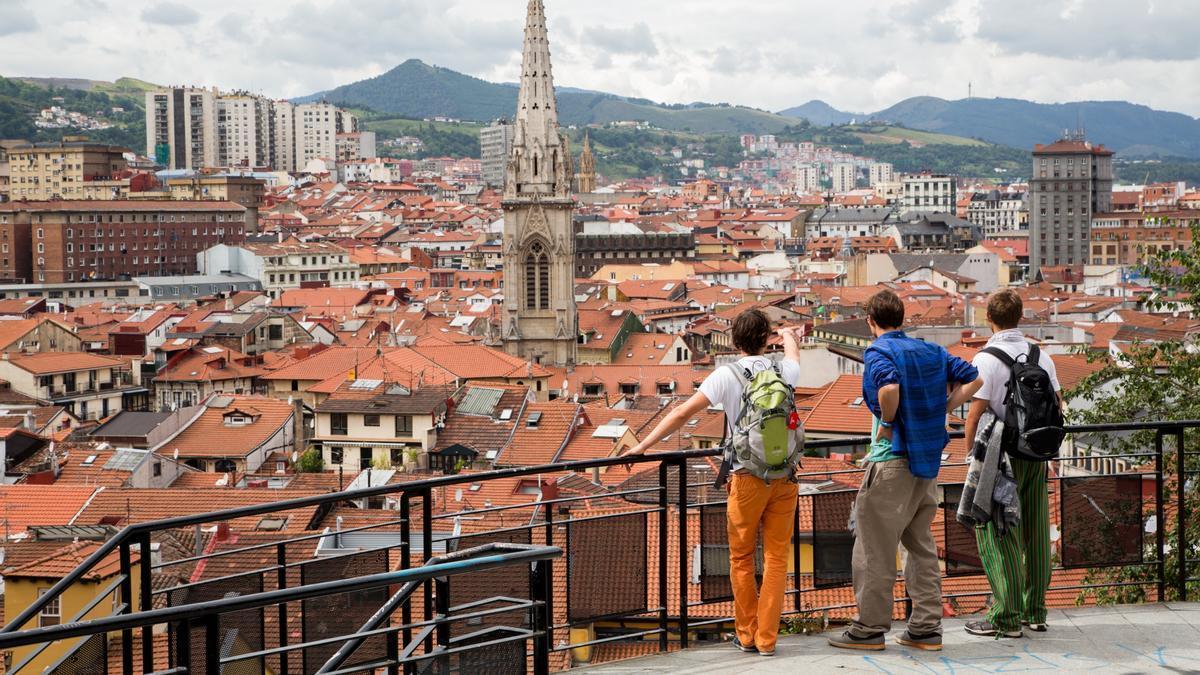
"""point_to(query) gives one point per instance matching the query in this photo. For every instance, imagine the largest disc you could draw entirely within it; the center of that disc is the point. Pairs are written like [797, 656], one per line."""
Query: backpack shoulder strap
[740, 373]
[1034, 356]
[1001, 355]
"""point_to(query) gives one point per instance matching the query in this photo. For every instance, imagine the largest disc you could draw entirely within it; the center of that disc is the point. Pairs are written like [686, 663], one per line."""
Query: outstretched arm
[671, 423]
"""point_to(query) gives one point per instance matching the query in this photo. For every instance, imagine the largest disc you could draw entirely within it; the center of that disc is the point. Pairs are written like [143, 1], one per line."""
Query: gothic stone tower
[540, 319]
[586, 178]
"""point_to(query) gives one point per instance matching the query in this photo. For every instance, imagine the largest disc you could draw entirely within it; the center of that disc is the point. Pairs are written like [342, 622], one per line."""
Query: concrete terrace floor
[1124, 639]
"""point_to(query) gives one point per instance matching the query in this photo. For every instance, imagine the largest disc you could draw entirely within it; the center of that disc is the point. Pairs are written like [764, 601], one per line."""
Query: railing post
[426, 554]
[1160, 523]
[281, 583]
[549, 566]
[405, 563]
[540, 592]
[146, 599]
[663, 505]
[683, 555]
[127, 608]
[1180, 482]
[183, 645]
[442, 615]
[212, 644]
[393, 654]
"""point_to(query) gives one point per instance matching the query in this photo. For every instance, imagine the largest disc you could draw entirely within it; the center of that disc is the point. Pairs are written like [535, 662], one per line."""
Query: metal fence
[646, 565]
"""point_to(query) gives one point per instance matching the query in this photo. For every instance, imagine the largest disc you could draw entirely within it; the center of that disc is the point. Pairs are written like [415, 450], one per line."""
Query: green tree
[1152, 381]
[312, 461]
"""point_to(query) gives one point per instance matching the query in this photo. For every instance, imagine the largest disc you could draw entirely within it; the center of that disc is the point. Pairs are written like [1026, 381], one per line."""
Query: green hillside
[21, 99]
[418, 90]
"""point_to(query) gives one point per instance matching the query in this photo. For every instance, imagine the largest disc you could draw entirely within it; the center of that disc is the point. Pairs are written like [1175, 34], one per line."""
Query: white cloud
[170, 14]
[772, 54]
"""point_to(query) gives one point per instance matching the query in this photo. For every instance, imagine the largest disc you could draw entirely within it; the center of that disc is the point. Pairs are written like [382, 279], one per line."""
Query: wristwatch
[886, 425]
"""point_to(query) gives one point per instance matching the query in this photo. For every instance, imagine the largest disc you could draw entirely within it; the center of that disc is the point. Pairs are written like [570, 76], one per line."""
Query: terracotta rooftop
[212, 435]
[64, 560]
[47, 363]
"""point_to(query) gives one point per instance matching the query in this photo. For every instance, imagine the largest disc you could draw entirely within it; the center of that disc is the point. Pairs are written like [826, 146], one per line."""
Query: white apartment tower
[843, 176]
[181, 127]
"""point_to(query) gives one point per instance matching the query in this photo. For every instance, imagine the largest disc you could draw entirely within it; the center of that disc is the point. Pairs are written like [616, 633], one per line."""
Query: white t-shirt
[995, 373]
[724, 390]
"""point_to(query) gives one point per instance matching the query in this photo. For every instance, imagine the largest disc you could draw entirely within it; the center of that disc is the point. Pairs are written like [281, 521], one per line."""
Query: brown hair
[751, 330]
[886, 309]
[1005, 309]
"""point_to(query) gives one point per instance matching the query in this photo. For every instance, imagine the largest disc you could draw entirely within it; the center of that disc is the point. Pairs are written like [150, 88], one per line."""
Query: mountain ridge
[1131, 129]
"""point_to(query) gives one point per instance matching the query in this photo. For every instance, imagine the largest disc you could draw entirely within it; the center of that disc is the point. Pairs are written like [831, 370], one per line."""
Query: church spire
[585, 180]
[539, 163]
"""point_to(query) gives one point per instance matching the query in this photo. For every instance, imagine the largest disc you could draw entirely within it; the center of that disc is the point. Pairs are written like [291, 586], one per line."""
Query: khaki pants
[895, 507]
[757, 507]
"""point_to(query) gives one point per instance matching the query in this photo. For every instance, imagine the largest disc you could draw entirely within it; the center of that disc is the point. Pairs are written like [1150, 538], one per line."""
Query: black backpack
[1033, 421]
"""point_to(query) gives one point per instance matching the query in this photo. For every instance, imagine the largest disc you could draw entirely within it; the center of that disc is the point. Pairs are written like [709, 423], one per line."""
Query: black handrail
[498, 555]
[139, 534]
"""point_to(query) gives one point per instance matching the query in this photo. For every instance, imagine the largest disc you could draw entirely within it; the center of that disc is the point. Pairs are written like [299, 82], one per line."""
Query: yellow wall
[21, 592]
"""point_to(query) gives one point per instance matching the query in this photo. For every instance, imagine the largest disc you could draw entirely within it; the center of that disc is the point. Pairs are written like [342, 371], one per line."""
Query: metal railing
[618, 571]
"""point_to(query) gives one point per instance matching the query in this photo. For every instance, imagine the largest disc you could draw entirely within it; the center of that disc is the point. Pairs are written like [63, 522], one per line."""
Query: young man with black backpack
[1021, 389]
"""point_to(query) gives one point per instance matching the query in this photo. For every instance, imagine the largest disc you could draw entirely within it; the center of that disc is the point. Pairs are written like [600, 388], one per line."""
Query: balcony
[440, 579]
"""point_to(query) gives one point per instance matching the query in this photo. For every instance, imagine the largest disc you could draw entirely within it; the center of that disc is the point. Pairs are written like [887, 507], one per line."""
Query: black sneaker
[930, 643]
[741, 647]
[1033, 626]
[986, 629]
[848, 640]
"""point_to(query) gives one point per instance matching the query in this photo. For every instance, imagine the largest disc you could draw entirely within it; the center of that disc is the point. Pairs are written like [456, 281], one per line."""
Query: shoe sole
[859, 647]
[919, 645]
[768, 654]
[1036, 627]
[996, 633]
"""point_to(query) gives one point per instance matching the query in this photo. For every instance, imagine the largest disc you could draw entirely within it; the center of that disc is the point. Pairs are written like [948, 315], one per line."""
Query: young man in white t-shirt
[1018, 563]
[754, 505]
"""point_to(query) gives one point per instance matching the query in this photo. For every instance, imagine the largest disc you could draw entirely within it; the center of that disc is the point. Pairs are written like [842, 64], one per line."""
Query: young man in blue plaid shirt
[910, 386]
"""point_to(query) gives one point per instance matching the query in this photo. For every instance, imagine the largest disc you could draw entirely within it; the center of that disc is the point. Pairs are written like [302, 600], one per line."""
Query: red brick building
[81, 240]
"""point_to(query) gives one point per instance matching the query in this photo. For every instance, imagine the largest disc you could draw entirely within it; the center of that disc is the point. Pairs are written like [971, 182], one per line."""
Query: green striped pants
[1018, 564]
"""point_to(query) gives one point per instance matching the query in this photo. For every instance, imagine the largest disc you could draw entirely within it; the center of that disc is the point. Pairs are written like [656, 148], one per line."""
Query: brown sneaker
[849, 641]
[930, 643]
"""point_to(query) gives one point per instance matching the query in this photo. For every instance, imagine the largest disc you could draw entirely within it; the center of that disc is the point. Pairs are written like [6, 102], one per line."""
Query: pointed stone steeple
[538, 164]
[540, 322]
[585, 180]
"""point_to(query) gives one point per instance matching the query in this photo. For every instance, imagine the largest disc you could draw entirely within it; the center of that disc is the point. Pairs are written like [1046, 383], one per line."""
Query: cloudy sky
[773, 54]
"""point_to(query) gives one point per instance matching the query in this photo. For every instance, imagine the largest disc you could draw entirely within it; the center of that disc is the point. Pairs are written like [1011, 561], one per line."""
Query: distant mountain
[1131, 130]
[418, 90]
[820, 113]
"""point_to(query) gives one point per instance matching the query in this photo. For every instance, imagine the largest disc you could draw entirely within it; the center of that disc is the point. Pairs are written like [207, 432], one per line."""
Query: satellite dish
[295, 456]
[458, 495]
[175, 455]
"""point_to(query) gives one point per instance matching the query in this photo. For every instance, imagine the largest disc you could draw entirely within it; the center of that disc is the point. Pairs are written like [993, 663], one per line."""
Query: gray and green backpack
[767, 436]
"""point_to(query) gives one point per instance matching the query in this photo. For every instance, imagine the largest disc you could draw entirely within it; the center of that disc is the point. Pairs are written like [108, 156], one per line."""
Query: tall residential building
[355, 145]
[585, 179]
[245, 131]
[540, 320]
[1072, 180]
[807, 178]
[181, 127]
[285, 136]
[843, 176]
[929, 193]
[65, 170]
[995, 212]
[200, 128]
[495, 145]
[880, 172]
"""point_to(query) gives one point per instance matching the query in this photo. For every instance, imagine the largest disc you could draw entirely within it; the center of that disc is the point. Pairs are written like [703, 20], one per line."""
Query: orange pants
[754, 504]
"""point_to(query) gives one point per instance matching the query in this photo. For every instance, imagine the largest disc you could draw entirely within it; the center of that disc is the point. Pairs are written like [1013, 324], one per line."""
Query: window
[404, 425]
[338, 425]
[335, 456]
[537, 278]
[370, 420]
[51, 614]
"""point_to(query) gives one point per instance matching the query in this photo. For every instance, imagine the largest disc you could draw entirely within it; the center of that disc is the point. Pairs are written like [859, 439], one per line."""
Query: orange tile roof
[46, 363]
[479, 362]
[208, 364]
[63, 561]
[25, 506]
[209, 436]
[646, 349]
[541, 444]
[836, 411]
